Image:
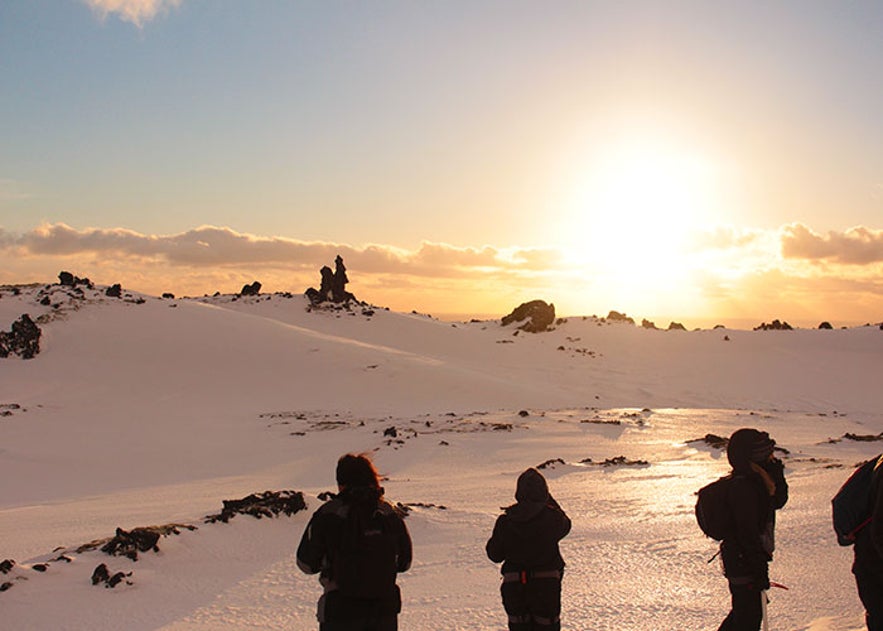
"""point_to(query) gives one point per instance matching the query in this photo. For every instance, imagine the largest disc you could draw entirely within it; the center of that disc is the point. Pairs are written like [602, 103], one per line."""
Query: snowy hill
[142, 411]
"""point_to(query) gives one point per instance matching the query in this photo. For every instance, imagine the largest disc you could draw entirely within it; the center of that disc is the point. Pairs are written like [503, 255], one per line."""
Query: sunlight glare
[633, 214]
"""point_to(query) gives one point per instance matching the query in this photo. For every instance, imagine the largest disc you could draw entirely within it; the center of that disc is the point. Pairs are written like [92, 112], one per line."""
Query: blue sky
[490, 130]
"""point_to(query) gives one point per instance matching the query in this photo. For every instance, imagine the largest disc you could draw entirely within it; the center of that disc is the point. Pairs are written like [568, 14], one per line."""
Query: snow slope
[143, 411]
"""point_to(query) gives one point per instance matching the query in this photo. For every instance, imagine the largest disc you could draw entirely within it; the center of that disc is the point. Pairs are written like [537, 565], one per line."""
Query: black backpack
[365, 565]
[851, 507]
[713, 512]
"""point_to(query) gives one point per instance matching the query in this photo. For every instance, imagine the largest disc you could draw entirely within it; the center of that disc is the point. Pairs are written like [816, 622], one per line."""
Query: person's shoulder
[389, 510]
[333, 508]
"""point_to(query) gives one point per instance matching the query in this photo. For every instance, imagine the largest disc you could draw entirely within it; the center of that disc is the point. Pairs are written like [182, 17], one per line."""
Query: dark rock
[69, 280]
[523, 413]
[45, 301]
[676, 326]
[100, 574]
[6, 566]
[23, 339]
[550, 463]
[5, 586]
[538, 313]
[40, 567]
[114, 291]
[266, 504]
[712, 440]
[251, 290]
[168, 296]
[826, 325]
[129, 544]
[391, 432]
[616, 316]
[775, 325]
[333, 286]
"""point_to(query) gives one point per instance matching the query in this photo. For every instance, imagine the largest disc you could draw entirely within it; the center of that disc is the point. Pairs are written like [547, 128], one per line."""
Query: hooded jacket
[526, 535]
[321, 543]
[869, 541]
[758, 489]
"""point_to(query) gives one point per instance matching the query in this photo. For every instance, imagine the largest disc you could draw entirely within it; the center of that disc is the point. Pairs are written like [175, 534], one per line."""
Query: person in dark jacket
[357, 543]
[758, 489]
[868, 563]
[525, 540]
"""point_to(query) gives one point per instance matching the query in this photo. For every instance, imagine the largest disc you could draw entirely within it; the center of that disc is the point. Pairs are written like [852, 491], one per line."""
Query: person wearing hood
[525, 539]
[868, 560]
[357, 543]
[757, 490]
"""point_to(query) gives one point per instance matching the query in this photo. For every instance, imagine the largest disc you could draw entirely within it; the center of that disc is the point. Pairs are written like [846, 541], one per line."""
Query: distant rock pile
[67, 279]
[616, 316]
[775, 325]
[333, 287]
[22, 340]
[539, 315]
[251, 290]
[266, 504]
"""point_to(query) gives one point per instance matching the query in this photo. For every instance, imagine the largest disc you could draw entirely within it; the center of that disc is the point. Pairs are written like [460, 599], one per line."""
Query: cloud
[856, 246]
[211, 246]
[138, 12]
[725, 238]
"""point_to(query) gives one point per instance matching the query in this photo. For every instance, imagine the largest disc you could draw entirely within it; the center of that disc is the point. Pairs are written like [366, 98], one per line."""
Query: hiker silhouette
[757, 489]
[357, 543]
[525, 539]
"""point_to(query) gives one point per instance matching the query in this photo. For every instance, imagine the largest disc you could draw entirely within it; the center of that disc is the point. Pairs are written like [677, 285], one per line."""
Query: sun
[632, 214]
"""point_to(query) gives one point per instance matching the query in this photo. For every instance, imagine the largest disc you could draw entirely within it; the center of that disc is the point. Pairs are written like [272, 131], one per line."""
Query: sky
[705, 162]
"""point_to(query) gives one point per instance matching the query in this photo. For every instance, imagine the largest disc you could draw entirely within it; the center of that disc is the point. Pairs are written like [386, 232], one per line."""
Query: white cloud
[138, 12]
[223, 247]
[855, 246]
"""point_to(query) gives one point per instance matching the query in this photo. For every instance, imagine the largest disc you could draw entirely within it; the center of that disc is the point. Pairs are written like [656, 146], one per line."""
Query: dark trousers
[533, 606]
[870, 590]
[747, 609]
[383, 623]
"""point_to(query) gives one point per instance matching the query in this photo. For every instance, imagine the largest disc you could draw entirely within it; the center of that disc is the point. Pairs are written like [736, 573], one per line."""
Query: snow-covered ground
[152, 413]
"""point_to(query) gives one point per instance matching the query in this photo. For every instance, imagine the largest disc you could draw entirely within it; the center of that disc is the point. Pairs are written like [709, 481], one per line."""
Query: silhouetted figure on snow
[525, 539]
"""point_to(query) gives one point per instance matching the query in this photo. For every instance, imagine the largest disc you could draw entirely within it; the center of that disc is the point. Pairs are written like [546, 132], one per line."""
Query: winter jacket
[756, 492]
[321, 544]
[526, 535]
[869, 541]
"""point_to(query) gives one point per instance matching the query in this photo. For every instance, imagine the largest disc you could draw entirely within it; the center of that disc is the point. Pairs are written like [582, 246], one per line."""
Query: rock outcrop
[616, 316]
[775, 325]
[69, 280]
[539, 315]
[22, 340]
[333, 286]
[251, 290]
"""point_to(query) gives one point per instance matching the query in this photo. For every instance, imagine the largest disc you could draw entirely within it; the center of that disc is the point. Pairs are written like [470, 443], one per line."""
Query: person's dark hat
[749, 445]
[532, 487]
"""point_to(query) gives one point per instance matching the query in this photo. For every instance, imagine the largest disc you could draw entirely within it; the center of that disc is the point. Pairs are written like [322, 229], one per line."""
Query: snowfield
[142, 411]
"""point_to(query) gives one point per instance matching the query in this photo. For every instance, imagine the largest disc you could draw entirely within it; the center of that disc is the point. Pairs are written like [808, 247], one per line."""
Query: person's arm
[496, 548]
[776, 470]
[877, 514]
[311, 552]
[404, 547]
[563, 520]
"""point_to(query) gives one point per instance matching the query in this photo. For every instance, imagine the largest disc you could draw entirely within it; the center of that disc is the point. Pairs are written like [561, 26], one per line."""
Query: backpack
[851, 506]
[365, 565]
[713, 512]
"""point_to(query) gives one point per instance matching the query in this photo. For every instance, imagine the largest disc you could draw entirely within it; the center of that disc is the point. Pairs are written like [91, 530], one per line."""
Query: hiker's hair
[357, 470]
